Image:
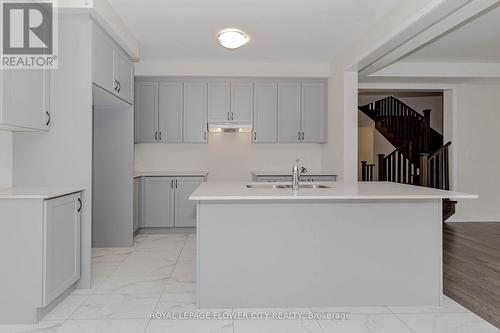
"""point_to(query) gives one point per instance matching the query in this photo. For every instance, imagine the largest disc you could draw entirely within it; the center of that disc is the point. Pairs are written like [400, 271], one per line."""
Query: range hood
[230, 127]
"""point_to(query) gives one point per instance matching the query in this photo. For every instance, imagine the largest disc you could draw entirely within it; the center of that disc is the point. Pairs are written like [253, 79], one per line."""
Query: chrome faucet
[296, 174]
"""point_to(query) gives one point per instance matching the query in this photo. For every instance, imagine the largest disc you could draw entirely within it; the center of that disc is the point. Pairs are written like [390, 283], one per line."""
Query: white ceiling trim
[426, 69]
[247, 69]
[102, 12]
[445, 17]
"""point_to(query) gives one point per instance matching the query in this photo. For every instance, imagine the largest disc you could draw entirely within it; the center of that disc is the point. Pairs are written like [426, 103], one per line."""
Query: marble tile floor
[158, 274]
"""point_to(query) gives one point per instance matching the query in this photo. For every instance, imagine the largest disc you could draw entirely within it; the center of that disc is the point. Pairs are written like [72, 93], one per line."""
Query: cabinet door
[146, 111]
[185, 209]
[170, 112]
[102, 59]
[265, 112]
[136, 203]
[289, 112]
[25, 101]
[61, 245]
[218, 102]
[158, 202]
[314, 112]
[195, 112]
[242, 102]
[124, 76]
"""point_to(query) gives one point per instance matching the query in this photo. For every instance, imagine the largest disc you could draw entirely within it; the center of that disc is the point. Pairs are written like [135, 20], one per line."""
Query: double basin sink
[287, 186]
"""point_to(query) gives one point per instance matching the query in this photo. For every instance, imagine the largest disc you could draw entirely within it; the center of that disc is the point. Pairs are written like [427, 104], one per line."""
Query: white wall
[5, 159]
[227, 156]
[476, 138]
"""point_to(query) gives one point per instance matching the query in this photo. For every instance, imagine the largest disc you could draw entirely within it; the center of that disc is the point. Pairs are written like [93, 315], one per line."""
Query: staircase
[420, 157]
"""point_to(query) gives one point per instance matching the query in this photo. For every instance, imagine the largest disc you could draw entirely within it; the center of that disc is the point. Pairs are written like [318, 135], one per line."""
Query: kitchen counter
[43, 193]
[336, 191]
[362, 244]
[166, 173]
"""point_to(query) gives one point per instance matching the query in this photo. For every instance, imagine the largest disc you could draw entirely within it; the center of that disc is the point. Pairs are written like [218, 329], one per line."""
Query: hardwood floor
[472, 267]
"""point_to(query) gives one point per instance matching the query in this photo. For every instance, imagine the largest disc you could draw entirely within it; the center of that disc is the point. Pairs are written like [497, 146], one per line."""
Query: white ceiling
[280, 30]
[476, 42]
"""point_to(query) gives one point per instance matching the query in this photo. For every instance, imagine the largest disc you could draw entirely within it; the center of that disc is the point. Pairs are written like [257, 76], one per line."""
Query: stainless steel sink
[281, 186]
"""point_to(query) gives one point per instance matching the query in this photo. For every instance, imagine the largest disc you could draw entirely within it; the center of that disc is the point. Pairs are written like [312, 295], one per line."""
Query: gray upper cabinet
[265, 103]
[219, 102]
[103, 59]
[170, 111]
[146, 111]
[281, 111]
[289, 112]
[313, 117]
[111, 68]
[241, 102]
[158, 202]
[195, 112]
[25, 102]
[124, 76]
[185, 209]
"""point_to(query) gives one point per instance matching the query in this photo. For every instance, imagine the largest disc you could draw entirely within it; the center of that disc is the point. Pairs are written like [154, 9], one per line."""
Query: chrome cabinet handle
[156, 135]
[204, 135]
[48, 118]
[116, 84]
[176, 183]
[119, 86]
[160, 135]
[302, 136]
[255, 136]
[80, 206]
[228, 117]
[172, 183]
[232, 116]
[299, 135]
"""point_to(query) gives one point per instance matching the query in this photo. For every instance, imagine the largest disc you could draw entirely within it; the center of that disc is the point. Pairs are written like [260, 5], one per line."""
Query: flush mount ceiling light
[232, 38]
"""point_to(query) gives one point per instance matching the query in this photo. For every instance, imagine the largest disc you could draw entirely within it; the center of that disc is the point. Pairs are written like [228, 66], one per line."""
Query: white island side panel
[337, 253]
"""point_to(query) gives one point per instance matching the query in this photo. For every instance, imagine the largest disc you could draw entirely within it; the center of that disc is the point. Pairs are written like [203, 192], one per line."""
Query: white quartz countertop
[167, 173]
[35, 193]
[337, 191]
[289, 173]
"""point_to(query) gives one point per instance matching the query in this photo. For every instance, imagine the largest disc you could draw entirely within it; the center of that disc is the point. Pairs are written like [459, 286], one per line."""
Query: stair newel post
[381, 167]
[363, 171]
[424, 172]
[427, 124]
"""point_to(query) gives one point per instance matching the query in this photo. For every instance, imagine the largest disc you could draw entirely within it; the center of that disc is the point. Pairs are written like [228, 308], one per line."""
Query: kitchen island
[328, 244]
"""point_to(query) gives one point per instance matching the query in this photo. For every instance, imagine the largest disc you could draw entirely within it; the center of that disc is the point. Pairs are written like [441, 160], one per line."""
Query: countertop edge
[41, 194]
[326, 198]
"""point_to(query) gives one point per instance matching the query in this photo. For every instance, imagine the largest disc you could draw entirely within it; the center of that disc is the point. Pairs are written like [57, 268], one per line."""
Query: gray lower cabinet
[165, 201]
[265, 108]
[185, 209]
[25, 102]
[61, 247]
[158, 202]
[40, 254]
[137, 184]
